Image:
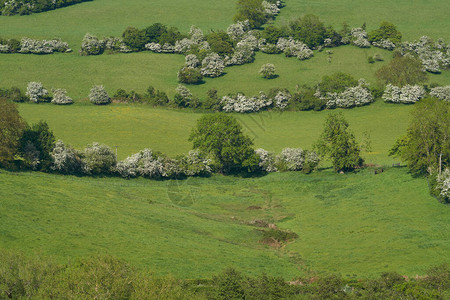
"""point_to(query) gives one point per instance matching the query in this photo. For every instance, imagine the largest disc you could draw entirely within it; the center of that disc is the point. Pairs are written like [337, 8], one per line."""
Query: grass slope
[413, 18]
[139, 70]
[355, 224]
[135, 127]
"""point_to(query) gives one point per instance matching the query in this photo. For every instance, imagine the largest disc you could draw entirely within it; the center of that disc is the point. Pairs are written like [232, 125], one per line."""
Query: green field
[355, 224]
[135, 127]
[137, 71]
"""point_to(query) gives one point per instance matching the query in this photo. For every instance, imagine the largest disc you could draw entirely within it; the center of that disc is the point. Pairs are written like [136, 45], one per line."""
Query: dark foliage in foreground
[106, 277]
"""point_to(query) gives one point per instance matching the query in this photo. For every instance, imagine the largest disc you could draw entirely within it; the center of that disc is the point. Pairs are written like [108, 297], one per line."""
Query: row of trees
[106, 277]
[26, 7]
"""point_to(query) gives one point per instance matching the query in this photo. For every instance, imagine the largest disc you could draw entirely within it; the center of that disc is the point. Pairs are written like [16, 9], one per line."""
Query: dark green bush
[387, 31]
[308, 29]
[220, 42]
[336, 83]
[189, 75]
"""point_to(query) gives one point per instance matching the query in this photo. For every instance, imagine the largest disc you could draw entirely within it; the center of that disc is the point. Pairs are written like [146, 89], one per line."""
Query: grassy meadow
[358, 225]
[136, 71]
[135, 127]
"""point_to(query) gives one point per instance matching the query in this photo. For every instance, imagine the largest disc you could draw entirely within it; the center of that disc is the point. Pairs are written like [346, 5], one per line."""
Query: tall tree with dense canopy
[402, 70]
[251, 10]
[221, 136]
[11, 128]
[339, 144]
[426, 146]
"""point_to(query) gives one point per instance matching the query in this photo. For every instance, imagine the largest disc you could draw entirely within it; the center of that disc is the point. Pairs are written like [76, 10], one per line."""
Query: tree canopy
[11, 128]
[339, 144]
[427, 142]
[402, 70]
[221, 136]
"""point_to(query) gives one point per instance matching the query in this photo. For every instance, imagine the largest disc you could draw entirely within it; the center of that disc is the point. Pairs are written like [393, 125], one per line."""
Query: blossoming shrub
[26, 7]
[195, 163]
[352, 96]
[435, 56]
[443, 185]
[98, 159]
[359, 38]
[60, 97]
[91, 45]
[291, 47]
[281, 99]
[266, 160]
[36, 92]
[212, 65]
[28, 45]
[406, 94]
[99, 96]
[183, 97]
[65, 159]
[441, 92]
[243, 104]
[267, 71]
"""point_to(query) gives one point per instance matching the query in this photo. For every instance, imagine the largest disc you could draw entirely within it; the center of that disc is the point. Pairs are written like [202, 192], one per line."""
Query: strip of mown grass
[355, 224]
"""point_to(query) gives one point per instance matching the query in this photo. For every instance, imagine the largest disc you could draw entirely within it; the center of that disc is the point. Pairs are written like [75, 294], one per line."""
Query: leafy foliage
[11, 128]
[36, 145]
[251, 10]
[427, 139]
[339, 144]
[221, 136]
[402, 71]
[387, 31]
[26, 7]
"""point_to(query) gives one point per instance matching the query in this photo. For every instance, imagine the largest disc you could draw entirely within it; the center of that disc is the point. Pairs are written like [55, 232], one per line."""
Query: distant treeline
[26, 7]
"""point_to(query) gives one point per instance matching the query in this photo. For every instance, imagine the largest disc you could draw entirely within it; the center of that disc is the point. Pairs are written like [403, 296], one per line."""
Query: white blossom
[406, 94]
[60, 97]
[98, 95]
[441, 92]
[291, 159]
[28, 45]
[65, 159]
[212, 65]
[36, 91]
[266, 160]
[243, 104]
[184, 92]
[385, 44]
[359, 38]
[236, 31]
[281, 100]
[443, 185]
[291, 47]
[192, 61]
[270, 9]
[91, 45]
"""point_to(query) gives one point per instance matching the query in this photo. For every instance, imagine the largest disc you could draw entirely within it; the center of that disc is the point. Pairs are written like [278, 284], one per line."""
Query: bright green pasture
[135, 127]
[413, 18]
[111, 17]
[136, 71]
[355, 224]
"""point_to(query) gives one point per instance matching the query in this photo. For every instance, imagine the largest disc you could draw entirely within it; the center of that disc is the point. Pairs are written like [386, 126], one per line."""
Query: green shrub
[189, 75]
[308, 29]
[387, 31]
[336, 83]
[370, 60]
